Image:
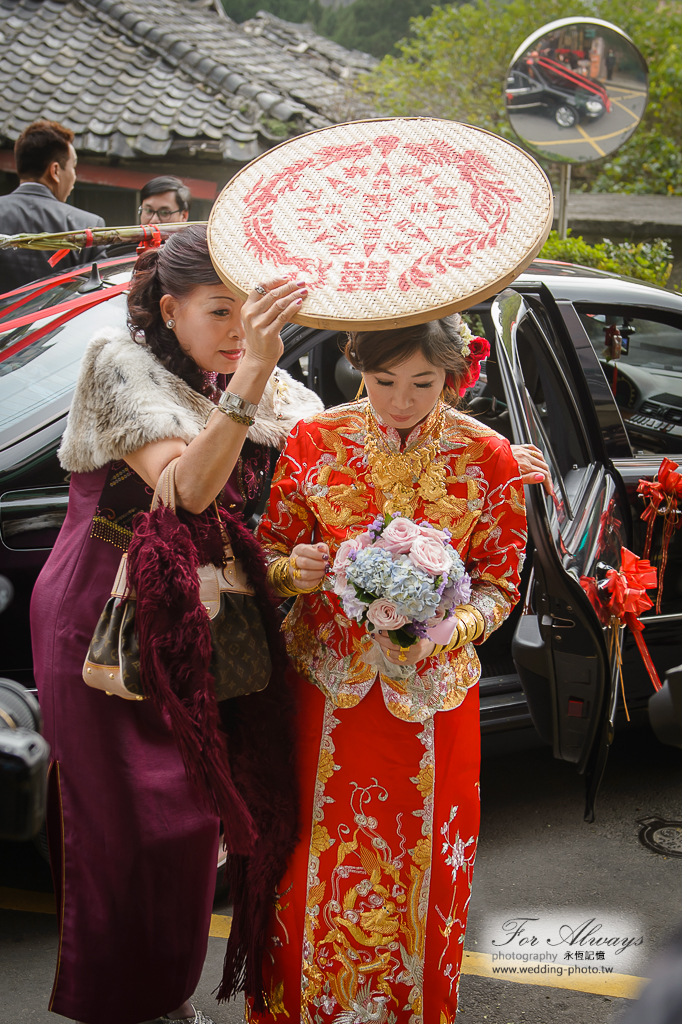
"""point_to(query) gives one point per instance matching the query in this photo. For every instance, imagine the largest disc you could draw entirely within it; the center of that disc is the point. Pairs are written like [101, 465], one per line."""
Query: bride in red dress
[370, 918]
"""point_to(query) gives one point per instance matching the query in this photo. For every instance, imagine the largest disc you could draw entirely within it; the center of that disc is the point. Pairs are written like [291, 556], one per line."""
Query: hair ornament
[466, 336]
[478, 349]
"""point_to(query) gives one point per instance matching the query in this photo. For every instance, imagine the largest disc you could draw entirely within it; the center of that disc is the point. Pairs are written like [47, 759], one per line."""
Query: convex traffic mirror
[576, 90]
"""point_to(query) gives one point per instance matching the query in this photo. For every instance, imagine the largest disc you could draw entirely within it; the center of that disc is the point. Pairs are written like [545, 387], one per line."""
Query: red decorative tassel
[151, 238]
[57, 256]
[663, 496]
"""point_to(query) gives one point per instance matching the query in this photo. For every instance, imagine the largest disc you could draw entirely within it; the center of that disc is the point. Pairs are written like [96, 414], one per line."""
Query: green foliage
[373, 26]
[646, 261]
[290, 10]
[453, 64]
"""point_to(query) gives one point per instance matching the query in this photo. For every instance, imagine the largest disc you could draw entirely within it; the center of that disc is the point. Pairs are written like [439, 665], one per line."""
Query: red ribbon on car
[663, 495]
[622, 597]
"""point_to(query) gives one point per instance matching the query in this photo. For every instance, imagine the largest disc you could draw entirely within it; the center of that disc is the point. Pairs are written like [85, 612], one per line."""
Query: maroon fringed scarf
[239, 754]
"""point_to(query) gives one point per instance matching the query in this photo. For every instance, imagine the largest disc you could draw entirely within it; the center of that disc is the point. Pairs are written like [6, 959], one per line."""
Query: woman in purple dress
[133, 847]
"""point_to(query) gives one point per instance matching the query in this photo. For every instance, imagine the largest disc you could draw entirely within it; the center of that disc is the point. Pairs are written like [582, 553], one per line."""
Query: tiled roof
[149, 78]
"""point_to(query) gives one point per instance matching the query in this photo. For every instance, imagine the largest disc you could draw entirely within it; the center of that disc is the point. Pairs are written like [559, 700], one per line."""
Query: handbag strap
[165, 494]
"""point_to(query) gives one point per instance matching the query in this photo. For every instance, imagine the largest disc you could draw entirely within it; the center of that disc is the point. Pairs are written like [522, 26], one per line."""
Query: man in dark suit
[46, 165]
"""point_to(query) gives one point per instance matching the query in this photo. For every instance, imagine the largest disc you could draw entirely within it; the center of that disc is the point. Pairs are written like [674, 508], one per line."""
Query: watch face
[661, 836]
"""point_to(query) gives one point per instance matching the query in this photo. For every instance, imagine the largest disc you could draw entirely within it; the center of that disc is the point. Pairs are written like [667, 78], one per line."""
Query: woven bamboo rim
[391, 222]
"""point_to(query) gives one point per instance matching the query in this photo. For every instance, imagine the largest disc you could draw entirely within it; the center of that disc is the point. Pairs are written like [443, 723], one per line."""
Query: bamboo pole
[77, 240]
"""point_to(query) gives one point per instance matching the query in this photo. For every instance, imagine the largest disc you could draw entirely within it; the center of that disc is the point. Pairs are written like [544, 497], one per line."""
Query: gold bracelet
[245, 421]
[469, 626]
[278, 573]
[480, 623]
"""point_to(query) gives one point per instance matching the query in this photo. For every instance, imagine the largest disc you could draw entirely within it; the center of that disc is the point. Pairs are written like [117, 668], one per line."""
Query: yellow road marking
[627, 110]
[220, 926]
[569, 142]
[44, 903]
[33, 902]
[622, 986]
[591, 141]
[625, 90]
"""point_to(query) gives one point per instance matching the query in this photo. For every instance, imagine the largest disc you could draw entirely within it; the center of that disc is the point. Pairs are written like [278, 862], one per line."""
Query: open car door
[559, 647]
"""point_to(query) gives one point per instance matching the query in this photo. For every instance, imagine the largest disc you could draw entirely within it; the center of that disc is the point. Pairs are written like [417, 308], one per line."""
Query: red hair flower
[479, 349]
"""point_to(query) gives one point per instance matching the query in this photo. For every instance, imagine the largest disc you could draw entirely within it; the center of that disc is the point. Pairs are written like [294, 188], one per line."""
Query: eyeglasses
[163, 214]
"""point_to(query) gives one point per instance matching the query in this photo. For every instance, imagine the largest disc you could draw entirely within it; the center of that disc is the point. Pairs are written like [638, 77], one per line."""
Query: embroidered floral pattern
[367, 896]
[323, 490]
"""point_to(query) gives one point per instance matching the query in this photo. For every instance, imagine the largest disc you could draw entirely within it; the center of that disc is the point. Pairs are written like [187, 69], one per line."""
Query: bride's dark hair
[176, 268]
[440, 342]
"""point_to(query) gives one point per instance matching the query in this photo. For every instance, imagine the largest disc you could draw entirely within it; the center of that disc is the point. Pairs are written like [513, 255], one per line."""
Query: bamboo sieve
[390, 222]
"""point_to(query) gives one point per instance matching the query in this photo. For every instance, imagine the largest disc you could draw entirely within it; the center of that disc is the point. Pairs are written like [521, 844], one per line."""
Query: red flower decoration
[479, 349]
[622, 596]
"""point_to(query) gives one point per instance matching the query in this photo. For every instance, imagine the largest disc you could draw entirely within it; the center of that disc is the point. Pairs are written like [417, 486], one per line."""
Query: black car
[538, 85]
[550, 379]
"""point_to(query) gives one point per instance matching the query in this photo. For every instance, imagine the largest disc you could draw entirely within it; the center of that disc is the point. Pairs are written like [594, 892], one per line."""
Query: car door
[522, 93]
[644, 389]
[559, 647]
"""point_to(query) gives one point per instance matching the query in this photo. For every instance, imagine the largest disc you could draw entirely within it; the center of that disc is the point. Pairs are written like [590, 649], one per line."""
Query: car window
[553, 420]
[12, 306]
[552, 416]
[646, 378]
[37, 377]
[44, 295]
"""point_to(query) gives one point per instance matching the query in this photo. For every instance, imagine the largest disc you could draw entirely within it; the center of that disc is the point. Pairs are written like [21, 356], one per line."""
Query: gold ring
[403, 654]
[295, 571]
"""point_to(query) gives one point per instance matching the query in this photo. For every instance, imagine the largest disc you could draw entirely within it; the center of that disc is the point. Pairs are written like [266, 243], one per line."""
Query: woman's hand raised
[267, 309]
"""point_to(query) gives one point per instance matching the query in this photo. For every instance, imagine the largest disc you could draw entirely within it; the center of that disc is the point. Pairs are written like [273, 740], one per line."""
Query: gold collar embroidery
[401, 479]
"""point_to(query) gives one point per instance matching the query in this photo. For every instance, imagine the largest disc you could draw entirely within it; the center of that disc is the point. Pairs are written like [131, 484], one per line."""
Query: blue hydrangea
[414, 592]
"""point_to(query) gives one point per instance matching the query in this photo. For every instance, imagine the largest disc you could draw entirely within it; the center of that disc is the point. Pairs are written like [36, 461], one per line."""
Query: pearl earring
[170, 324]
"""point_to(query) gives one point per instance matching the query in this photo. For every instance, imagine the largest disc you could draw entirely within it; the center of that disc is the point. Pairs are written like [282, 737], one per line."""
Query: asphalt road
[537, 860]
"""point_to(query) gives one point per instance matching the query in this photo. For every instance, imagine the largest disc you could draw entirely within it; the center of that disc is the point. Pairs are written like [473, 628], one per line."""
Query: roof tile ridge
[214, 75]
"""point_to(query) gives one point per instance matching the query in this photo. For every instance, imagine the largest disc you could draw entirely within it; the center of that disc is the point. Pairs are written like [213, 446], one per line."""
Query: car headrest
[347, 379]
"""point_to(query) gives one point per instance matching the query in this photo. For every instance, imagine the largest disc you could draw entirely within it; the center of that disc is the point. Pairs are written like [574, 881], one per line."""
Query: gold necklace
[401, 479]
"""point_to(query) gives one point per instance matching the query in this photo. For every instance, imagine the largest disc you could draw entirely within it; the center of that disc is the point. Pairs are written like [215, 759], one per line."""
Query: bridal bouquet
[402, 577]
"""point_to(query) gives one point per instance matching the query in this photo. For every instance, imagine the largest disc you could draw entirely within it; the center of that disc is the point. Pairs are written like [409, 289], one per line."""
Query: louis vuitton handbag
[240, 661]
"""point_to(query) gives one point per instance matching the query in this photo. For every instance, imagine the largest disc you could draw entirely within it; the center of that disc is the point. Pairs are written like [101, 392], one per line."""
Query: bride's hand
[265, 313]
[308, 564]
[532, 466]
[417, 652]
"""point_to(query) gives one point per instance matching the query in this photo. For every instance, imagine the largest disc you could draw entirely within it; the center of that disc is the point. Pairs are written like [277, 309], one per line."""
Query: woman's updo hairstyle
[439, 341]
[176, 268]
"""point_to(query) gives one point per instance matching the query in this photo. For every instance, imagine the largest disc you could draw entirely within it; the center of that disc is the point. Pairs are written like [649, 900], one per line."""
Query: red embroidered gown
[370, 920]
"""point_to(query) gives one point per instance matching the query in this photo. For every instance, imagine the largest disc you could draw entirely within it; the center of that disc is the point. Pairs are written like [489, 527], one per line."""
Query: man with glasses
[164, 200]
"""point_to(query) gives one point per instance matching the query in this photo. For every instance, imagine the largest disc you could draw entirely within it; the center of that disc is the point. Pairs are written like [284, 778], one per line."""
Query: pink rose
[383, 615]
[399, 536]
[431, 531]
[346, 548]
[428, 553]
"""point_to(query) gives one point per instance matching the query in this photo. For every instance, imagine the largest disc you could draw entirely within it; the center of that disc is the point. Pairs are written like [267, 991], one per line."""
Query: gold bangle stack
[470, 626]
[279, 578]
[281, 572]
